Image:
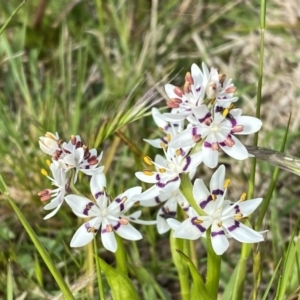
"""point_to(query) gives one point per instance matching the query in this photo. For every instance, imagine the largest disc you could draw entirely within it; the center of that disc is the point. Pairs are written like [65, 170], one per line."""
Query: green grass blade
[39, 247]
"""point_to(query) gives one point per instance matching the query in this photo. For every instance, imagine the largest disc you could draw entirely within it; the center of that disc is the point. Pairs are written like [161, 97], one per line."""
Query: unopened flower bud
[49, 143]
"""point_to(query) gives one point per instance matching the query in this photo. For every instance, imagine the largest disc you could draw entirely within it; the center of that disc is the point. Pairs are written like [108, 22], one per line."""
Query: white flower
[221, 215]
[58, 194]
[201, 87]
[80, 157]
[50, 143]
[169, 208]
[110, 216]
[166, 177]
[216, 131]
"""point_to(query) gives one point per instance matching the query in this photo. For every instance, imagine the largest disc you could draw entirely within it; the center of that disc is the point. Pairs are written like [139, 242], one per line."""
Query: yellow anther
[92, 230]
[168, 137]
[243, 197]
[198, 221]
[225, 112]
[48, 162]
[163, 145]
[44, 172]
[220, 224]
[148, 161]
[226, 184]
[212, 101]
[213, 197]
[178, 152]
[162, 170]
[238, 216]
[124, 199]
[148, 172]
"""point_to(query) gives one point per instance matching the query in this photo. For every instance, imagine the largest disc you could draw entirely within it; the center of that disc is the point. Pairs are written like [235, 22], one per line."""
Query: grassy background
[72, 66]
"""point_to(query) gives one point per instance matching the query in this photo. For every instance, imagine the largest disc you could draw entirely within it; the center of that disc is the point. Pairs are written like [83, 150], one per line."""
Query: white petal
[217, 180]
[201, 111]
[189, 231]
[82, 236]
[108, 239]
[82, 207]
[162, 225]
[237, 151]
[174, 118]
[192, 161]
[146, 178]
[148, 194]
[128, 232]
[251, 124]
[219, 240]
[156, 143]
[210, 157]
[241, 232]
[97, 184]
[173, 223]
[200, 192]
[92, 171]
[183, 139]
[53, 212]
[249, 206]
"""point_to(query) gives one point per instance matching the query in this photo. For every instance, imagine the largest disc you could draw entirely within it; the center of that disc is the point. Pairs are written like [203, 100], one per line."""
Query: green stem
[213, 268]
[181, 265]
[121, 257]
[186, 189]
[98, 268]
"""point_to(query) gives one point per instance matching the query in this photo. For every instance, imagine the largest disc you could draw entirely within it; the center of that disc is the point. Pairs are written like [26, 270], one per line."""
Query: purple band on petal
[233, 227]
[233, 122]
[207, 144]
[164, 141]
[157, 200]
[208, 115]
[222, 144]
[87, 208]
[188, 161]
[215, 233]
[198, 89]
[116, 227]
[182, 152]
[167, 213]
[118, 200]
[236, 208]
[201, 228]
[202, 204]
[98, 194]
[218, 192]
[157, 177]
[218, 109]
[90, 229]
[160, 184]
[194, 131]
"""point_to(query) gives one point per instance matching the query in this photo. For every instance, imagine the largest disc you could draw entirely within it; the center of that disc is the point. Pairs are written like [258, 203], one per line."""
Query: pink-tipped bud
[207, 121]
[49, 143]
[171, 104]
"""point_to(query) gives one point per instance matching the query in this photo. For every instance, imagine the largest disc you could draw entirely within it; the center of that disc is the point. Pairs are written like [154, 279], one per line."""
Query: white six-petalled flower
[223, 216]
[104, 214]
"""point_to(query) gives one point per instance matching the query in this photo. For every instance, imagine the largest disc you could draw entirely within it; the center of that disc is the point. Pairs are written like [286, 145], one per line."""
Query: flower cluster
[203, 120]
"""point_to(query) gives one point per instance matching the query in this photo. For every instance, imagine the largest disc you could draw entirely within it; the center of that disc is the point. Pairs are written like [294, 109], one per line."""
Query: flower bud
[49, 143]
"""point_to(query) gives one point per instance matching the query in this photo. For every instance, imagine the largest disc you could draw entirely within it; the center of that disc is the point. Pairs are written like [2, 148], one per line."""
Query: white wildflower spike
[217, 130]
[109, 216]
[201, 87]
[60, 181]
[223, 216]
